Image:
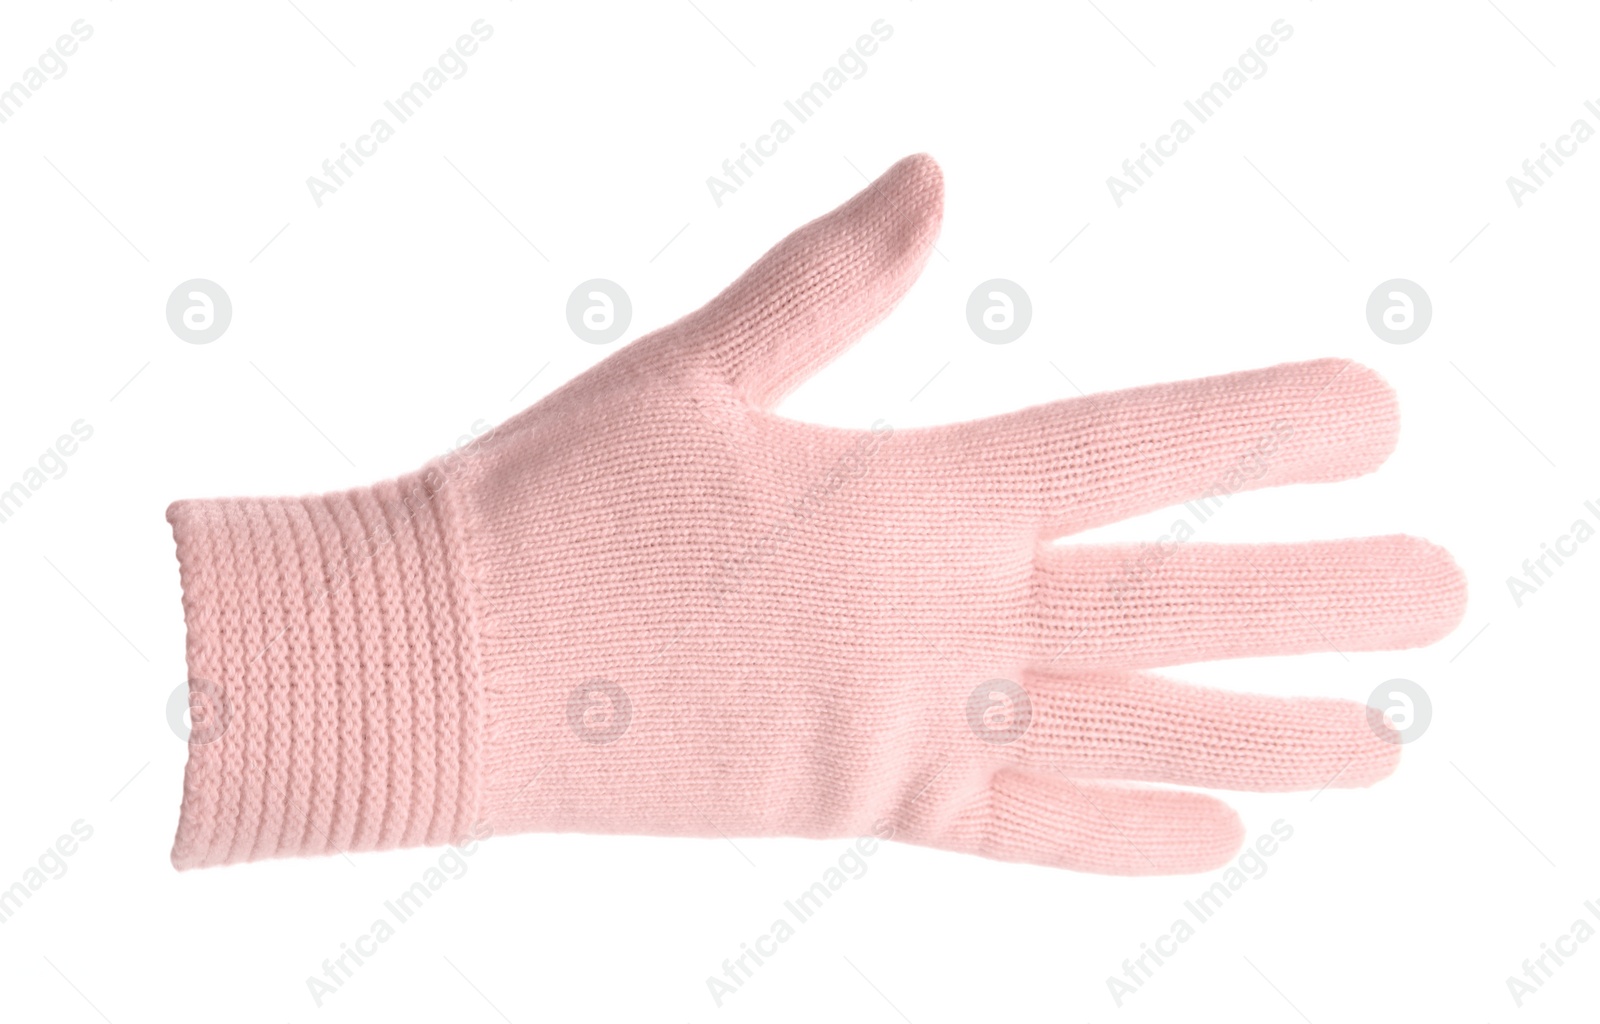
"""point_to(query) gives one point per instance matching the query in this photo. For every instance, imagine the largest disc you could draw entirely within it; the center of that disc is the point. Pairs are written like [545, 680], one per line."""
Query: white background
[371, 333]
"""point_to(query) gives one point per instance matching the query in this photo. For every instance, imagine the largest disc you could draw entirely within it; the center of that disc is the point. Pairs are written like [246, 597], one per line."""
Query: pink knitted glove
[649, 605]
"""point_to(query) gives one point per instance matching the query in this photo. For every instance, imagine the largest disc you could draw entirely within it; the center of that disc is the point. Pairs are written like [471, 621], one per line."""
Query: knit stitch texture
[648, 604]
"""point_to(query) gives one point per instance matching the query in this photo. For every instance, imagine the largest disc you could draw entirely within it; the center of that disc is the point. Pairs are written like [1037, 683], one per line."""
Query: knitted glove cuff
[333, 673]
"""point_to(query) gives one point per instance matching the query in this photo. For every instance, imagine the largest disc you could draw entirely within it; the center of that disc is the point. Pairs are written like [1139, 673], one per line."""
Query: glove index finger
[1085, 462]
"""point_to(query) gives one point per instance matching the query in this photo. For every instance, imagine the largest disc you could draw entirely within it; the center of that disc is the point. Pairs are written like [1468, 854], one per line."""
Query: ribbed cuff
[333, 673]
